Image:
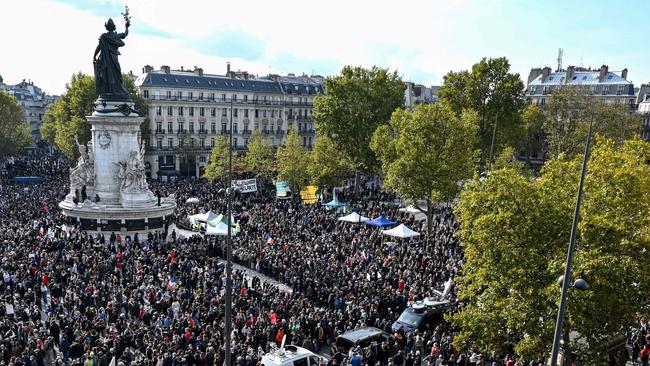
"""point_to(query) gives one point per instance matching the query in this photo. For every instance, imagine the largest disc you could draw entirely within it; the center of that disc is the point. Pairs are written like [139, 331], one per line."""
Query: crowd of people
[77, 299]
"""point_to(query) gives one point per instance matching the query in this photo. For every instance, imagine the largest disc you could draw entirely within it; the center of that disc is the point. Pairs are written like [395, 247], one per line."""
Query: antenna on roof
[559, 60]
[581, 65]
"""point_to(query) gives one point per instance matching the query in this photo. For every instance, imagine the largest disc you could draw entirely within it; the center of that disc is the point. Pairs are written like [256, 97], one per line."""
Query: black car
[421, 315]
[361, 337]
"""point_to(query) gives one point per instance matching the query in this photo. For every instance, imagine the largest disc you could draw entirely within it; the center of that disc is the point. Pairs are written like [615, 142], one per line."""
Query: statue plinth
[112, 168]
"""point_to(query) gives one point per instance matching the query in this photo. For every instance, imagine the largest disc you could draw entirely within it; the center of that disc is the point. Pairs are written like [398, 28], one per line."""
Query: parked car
[361, 337]
[291, 356]
[421, 315]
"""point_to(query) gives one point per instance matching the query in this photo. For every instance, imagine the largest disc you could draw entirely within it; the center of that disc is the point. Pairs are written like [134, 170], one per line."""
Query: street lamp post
[566, 283]
[228, 315]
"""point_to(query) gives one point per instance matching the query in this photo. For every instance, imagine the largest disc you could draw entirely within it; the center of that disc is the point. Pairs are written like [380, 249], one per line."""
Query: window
[213, 128]
[202, 142]
[192, 142]
[159, 111]
[234, 112]
[212, 142]
[273, 113]
[201, 126]
[246, 141]
[211, 96]
[169, 111]
[191, 127]
[159, 143]
[223, 127]
[224, 112]
[189, 95]
[181, 126]
[235, 128]
[200, 96]
[234, 97]
[191, 111]
[245, 98]
[180, 111]
[264, 113]
[246, 127]
[245, 113]
[158, 126]
[170, 127]
[168, 94]
[213, 112]
[202, 112]
[170, 142]
[234, 141]
[146, 93]
[223, 97]
[180, 94]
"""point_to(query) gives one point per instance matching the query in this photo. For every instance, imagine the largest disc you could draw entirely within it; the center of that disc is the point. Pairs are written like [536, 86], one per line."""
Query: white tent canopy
[220, 229]
[354, 217]
[401, 231]
[204, 217]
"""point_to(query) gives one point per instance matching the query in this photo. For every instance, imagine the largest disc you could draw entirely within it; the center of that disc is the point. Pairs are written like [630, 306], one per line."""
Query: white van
[291, 356]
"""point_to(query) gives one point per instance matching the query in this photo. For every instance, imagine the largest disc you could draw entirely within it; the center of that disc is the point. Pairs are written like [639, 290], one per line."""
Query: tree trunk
[566, 350]
[429, 216]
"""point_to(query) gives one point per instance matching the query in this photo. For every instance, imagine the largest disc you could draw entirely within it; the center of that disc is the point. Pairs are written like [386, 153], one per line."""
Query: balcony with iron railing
[173, 98]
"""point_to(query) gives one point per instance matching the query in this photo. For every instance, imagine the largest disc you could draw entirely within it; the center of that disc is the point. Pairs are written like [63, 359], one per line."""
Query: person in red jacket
[645, 353]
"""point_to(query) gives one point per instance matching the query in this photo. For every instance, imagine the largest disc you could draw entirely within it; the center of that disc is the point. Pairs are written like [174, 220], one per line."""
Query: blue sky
[423, 40]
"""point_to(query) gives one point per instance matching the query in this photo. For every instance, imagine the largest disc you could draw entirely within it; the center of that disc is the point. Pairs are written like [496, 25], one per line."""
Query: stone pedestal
[125, 204]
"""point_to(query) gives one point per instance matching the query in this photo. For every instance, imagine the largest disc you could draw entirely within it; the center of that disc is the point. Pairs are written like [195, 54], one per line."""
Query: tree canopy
[218, 162]
[355, 103]
[260, 157]
[293, 162]
[515, 231]
[329, 165]
[426, 153]
[567, 116]
[66, 118]
[496, 94]
[14, 130]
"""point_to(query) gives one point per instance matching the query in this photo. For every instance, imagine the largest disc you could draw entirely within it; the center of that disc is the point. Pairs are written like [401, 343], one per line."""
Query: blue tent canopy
[334, 203]
[381, 221]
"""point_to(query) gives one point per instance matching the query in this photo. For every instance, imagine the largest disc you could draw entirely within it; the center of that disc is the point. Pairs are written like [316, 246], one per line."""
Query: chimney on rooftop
[165, 69]
[545, 73]
[570, 71]
[228, 68]
[198, 71]
[624, 74]
[147, 69]
[603, 72]
[534, 73]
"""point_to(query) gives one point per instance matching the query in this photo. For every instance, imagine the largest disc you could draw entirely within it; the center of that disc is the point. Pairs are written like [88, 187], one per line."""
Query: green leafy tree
[568, 113]
[355, 103]
[218, 162]
[66, 118]
[14, 131]
[427, 152]
[496, 94]
[534, 119]
[515, 230]
[329, 165]
[260, 157]
[293, 162]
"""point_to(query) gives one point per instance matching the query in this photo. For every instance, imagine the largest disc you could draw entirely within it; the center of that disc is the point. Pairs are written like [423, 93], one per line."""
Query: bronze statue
[108, 74]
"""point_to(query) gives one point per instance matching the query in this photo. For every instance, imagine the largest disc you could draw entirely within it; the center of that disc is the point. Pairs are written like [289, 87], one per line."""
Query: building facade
[644, 114]
[419, 94]
[604, 85]
[33, 101]
[188, 110]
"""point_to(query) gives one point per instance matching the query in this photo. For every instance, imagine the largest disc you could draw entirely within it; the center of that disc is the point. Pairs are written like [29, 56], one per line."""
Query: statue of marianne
[108, 74]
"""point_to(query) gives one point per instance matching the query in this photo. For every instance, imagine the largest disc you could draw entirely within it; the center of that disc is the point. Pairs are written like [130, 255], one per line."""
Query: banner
[245, 185]
[308, 194]
[282, 189]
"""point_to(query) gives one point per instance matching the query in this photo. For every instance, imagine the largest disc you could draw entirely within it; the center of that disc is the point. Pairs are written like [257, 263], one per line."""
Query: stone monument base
[100, 218]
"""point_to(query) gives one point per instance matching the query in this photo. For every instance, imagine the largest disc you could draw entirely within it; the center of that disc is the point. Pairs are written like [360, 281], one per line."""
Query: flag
[172, 282]
[363, 256]
[269, 239]
[46, 208]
